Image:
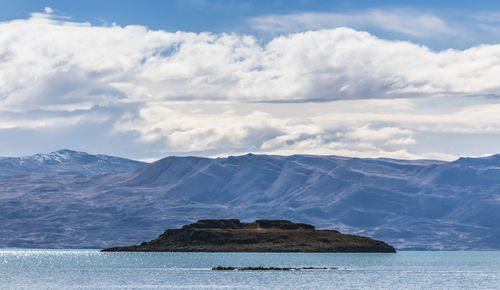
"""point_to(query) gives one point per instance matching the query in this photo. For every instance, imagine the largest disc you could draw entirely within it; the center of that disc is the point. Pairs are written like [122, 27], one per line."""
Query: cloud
[362, 128]
[405, 21]
[46, 61]
[333, 91]
[199, 131]
[366, 133]
[48, 10]
[51, 122]
[440, 29]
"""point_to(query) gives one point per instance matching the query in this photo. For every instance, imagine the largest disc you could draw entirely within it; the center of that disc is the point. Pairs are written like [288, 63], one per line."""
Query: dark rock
[282, 224]
[231, 235]
[217, 224]
[260, 268]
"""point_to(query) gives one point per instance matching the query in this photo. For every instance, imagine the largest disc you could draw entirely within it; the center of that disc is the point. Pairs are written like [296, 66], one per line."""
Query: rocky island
[231, 235]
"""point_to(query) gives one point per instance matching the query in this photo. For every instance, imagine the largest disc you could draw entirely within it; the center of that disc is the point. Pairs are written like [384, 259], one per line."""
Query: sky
[150, 79]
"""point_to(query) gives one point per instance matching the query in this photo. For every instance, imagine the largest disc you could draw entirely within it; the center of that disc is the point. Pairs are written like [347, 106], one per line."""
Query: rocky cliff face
[231, 235]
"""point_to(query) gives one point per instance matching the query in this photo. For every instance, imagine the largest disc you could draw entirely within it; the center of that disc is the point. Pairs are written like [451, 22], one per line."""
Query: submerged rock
[231, 235]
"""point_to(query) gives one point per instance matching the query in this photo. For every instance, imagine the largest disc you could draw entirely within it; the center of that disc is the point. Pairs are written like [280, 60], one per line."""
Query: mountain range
[103, 201]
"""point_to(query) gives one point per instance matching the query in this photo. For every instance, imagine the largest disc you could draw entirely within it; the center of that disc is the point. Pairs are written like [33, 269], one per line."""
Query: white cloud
[440, 29]
[199, 131]
[337, 91]
[401, 141]
[355, 128]
[50, 122]
[366, 133]
[48, 10]
[45, 61]
[404, 21]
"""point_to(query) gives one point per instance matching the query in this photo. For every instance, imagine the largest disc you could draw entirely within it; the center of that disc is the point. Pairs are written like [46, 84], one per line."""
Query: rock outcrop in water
[260, 268]
[231, 235]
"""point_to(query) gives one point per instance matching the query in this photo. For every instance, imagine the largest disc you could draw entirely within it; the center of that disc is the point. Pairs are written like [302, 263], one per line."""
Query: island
[232, 235]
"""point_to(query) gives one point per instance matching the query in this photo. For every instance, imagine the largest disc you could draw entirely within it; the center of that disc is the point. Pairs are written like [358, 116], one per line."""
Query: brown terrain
[231, 235]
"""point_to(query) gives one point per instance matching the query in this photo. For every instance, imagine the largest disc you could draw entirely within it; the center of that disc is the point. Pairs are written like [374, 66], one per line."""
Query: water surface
[91, 269]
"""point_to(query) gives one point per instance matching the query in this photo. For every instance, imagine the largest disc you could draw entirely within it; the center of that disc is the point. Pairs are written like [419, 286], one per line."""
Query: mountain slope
[409, 204]
[66, 162]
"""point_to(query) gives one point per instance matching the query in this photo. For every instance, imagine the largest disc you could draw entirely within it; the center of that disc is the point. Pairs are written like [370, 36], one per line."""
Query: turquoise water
[90, 269]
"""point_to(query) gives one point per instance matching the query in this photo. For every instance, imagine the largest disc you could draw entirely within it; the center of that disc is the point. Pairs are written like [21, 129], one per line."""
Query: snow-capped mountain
[422, 204]
[65, 162]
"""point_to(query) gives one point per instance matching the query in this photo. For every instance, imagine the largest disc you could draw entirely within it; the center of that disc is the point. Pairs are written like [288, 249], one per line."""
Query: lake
[91, 269]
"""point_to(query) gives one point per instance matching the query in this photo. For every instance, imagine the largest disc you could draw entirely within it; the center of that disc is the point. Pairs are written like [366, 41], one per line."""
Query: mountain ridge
[66, 161]
[415, 204]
